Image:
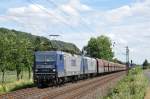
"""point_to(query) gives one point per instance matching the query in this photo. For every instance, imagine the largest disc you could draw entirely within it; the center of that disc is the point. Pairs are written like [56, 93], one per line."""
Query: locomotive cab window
[45, 58]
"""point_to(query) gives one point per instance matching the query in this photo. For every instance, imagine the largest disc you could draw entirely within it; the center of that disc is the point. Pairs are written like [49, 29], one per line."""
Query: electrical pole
[131, 63]
[127, 57]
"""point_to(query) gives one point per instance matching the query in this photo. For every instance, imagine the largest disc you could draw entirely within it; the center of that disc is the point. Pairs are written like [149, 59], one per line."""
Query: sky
[126, 22]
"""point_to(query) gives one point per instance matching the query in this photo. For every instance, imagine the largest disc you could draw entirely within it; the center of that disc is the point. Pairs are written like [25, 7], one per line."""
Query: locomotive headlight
[54, 70]
[36, 70]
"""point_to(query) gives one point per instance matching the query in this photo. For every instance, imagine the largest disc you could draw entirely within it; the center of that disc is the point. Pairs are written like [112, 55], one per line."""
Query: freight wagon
[57, 67]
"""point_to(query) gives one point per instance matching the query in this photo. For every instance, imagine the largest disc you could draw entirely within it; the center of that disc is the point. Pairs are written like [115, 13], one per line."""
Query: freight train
[57, 67]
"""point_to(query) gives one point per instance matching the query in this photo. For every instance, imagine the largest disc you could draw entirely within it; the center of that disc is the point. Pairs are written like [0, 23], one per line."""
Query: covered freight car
[100, 66]
[106, 66]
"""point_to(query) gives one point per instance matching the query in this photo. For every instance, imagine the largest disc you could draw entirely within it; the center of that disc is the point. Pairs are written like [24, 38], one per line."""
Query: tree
[100, 47]
[5, 54]
[145, 64]
[27, 55]
[37, 43]
[23, 57]
[45, 45]
[92, 48]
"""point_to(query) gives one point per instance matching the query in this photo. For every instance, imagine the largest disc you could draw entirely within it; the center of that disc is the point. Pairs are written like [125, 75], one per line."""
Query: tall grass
[132, 86]
[4, 88]
[11, 76]
[11, 83]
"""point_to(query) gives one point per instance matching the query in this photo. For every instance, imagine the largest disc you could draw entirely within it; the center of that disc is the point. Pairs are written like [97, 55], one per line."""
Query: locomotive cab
[45, 67]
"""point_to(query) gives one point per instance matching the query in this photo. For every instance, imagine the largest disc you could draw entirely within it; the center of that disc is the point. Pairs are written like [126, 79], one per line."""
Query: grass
[11, 84]
[4, 88]
[10, 76]
[132, 86]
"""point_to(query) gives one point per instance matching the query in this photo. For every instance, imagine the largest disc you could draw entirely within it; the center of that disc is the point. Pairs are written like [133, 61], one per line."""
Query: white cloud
[73, 7]
[27, 11]
[140, 8]
[77, 5]
[69, 9]
[118, 14]
[73, 10]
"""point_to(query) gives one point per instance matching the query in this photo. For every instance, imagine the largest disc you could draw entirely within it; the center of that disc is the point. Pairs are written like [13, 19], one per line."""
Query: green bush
[133, 86]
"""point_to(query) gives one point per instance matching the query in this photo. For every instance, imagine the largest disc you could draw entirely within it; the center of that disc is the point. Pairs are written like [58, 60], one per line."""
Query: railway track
[80, 90]
[68, 91]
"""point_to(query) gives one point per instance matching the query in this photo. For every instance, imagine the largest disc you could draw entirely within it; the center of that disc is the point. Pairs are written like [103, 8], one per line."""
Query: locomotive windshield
[45, 61]
[45, 58]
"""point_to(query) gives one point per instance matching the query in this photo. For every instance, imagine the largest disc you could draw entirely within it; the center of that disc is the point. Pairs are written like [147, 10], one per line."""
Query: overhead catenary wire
[61, 21]
[50, 14]
[83, 21]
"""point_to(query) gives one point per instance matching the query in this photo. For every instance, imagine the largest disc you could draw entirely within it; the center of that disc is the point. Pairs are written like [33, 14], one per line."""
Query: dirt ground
[147, 74]
[147, 94]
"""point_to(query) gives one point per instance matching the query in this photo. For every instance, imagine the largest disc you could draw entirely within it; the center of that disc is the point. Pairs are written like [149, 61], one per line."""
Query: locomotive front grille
[45, 76]
[45, 71]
